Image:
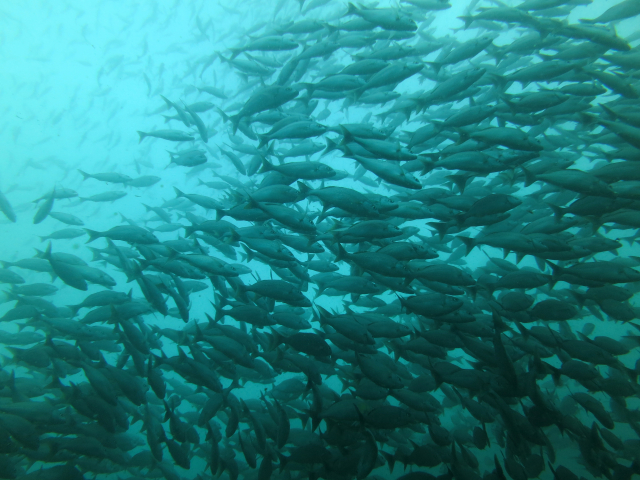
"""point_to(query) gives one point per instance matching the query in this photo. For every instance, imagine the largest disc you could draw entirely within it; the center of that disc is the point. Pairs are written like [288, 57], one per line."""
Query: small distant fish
[171, 135]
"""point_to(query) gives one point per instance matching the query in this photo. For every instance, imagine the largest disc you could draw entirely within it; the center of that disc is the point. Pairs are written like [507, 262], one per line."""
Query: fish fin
[304, 190]
[468, 242]
[93, 235]
[467, 19]
[529, 177]
[331, 145]
[267, 166]
[235, 120]
[142, 135]
[435, 65]
[557, 211]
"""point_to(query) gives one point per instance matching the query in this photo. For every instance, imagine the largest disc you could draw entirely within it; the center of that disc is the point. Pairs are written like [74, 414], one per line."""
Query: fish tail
[85, 175]
[498, 80]
[358, 93]
[331, 145]
[529, 177]
[189, 230]
[225, 117]
[468, 242]
[55, 382]
[249, 254]
[167, 101]
[264, 140]
[557, 211]
[342, 254]
[391, 460]
[467, 19]
[235, 120]
[435, 65]
[47, 253]
[266, 166]
[319, 292]
[241, 292]
[92, 235]
[142, 135]
[304, 190]
[270, 151]
[556, 272]
[97, 256]
[460, 180]
[329, 27]
[179, 193]
[427, 166]
[441, 227]
[283, 461]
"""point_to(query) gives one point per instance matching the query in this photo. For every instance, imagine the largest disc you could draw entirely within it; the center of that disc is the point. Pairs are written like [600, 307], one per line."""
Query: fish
[6, 208]
[111, 177]
[400, 233]
[171, 135]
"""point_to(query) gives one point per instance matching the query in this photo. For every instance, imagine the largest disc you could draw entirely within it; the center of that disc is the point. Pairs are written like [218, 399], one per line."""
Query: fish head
[371, 285]
[290, 92]
[386, 204]
[325, 170]
[513, 201]
[306, 224]
[414, 66]
[317, 128]
[237, 269]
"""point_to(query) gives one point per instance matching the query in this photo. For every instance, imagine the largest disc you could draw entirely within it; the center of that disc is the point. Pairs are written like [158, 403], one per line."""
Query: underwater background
[550, 389]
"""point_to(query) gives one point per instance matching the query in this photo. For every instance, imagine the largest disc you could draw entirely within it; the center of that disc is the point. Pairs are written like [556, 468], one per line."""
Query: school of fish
[386, 254]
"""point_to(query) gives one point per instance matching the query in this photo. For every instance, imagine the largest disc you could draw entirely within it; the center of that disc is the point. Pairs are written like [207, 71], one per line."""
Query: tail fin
[358, 93]
[441, 227]
[468, 242]
[342, 254]
[557, 211]
[190, 230]
[235, 120]
[264, 140]
[353, 10]
[331, 145]
[142, 135]
[304, 190]
[266, 166]
[85, 175]
[435, 65]
[225, 117]
[529, 177]
[467, 19]
[557, 271]
[93, 235]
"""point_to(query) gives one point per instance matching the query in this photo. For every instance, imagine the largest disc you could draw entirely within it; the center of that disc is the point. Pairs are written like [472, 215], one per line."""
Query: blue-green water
[80, 80]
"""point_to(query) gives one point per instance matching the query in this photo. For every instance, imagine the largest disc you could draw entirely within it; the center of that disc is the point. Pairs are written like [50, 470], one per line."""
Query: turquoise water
[79, 80]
